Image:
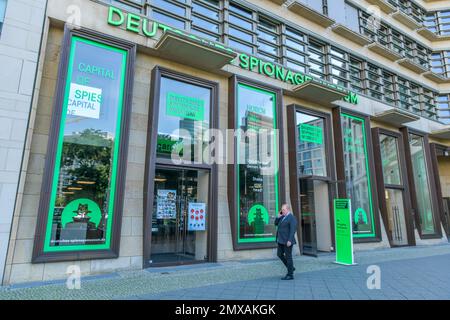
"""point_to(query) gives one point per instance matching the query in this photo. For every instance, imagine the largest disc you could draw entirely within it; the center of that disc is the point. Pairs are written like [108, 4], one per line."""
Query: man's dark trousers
[285, 254]
[286, 228]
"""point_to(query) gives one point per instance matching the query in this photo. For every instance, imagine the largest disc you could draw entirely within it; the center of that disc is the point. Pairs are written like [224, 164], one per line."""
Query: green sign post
[343, 231]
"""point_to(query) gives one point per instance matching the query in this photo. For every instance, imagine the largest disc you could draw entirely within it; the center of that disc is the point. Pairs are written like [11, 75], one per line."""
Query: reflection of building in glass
[310, 155]
[357, 183]
[258, 188]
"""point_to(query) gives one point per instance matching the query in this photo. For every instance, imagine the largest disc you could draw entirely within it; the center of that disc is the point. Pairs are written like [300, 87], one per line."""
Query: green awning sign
[184, 107]
[310, 133]
[343, 231]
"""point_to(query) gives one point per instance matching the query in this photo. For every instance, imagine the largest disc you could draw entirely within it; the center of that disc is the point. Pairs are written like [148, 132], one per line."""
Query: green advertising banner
[310, 133]
[185, 107]
[343, 231]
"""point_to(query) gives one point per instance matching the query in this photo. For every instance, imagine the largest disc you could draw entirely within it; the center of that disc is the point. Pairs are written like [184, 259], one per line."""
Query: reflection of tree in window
[85, 173]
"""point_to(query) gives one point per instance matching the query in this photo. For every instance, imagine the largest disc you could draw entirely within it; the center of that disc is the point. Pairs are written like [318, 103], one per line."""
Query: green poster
[310, 133]
[184, 107]
[343, 231]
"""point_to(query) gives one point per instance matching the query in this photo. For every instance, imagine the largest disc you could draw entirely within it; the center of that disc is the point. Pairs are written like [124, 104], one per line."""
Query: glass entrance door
[180, 216]
[308, 217]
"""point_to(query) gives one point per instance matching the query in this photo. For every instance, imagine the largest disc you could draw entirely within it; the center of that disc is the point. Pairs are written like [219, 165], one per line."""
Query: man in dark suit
[287, 226]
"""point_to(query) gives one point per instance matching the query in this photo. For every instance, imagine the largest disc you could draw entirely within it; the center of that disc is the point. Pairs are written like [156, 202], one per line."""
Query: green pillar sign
[343, 231]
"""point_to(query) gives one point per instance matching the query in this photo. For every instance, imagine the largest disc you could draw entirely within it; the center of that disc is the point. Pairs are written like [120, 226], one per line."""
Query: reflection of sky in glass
[107, 59]
[248, 97]
[311, 149]
[167, 124]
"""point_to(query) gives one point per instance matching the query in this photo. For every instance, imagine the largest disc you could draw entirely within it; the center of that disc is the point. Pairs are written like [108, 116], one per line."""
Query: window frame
[232, 190]
[404, 186]
[39, 255]
[340, 169]
[431, 180]
[152, 160]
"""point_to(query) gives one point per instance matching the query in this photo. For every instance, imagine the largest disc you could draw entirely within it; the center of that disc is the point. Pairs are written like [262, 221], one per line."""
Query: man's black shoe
[287, 277]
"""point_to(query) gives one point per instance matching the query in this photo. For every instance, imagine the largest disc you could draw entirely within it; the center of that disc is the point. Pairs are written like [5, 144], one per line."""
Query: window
[268, 39]
[388, 88]
[393, 189]
[316, 59]
[184, 107]
[256, 175]
[404, 95]
[440, 63]
[429, 106]
[351, 17]
[421, 184]
[84, 201]
[357, 175]
[356, 67]
[2, 13]
[374, 83]
[338, 66]
[295, 54]
[205, 20]
[317, 5]
[241, 30]
[443, 105]
[311, 145]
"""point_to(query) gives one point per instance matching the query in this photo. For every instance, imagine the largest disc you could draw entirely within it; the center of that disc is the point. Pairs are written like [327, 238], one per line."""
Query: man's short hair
[288, 207]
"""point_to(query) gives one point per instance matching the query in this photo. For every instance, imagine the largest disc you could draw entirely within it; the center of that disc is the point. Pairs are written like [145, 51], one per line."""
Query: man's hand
[288, 243]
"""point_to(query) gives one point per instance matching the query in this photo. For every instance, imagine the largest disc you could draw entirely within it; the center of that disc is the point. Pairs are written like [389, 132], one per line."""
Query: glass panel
[83, 189]
[197, 8]
[396, 217]
[240, 22]
[240, 46]
[311, 141]
[180, 215]
[170, 7]
[357, 175]
[390, 160]
[168, 20]
[308, 213]
[240, 34]
[184, 107]
[421, 184]
[205, 24]
[257, 170]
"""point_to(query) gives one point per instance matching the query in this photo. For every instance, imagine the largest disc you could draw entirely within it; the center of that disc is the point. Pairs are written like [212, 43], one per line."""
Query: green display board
[310, 133]
[343, 231]
[184, 107]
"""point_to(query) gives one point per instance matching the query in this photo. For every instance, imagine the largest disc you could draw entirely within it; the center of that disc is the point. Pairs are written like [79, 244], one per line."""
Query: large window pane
[357, 175]
[311, 145]
[257, 174]
[421, 184]
[184, 111]
[83, 189]
[390, 160]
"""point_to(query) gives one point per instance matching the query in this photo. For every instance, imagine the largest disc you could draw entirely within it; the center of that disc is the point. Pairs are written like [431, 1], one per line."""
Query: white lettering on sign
[84, 101]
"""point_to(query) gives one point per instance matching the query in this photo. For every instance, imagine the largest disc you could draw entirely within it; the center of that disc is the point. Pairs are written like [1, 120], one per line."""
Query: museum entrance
[180, 216]
[314, 188]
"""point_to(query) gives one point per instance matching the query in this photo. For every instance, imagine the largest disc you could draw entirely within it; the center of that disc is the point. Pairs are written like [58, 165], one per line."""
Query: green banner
[310, 133]
[343, 231]
[184, 107]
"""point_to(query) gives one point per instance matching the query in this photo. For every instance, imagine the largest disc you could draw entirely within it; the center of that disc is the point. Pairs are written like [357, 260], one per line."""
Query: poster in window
[83, 189]
[166, 204]
[257, 170]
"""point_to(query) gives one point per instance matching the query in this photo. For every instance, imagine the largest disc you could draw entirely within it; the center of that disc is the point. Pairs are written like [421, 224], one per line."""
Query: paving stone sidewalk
[406, 273]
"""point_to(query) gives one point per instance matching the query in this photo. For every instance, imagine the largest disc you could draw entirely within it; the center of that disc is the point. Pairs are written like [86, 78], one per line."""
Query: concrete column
[20, 40]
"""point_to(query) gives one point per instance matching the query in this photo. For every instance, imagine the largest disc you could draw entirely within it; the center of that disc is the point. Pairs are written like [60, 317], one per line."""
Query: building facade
[164, 132]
